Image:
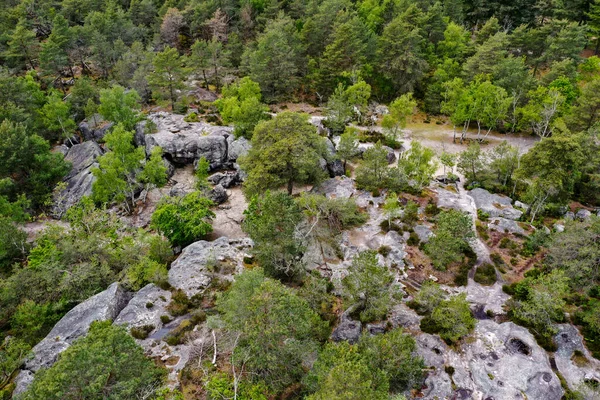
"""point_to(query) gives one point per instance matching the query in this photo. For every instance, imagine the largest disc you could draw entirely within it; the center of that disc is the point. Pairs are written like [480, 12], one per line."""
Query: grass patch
[485, 274]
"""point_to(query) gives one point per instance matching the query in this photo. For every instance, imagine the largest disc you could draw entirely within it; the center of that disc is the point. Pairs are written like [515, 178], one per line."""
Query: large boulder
[186, 142]
[494, 205]
[237, 147]
[104, 306]
[423, 232]
[80, 179]
[95, 131]
[348, 330]
[505, 226]
[583, 214]
[190, 272]
[218, 194]
[499, 361]
[575, 363]
[340, 188]
[226, 179]
[145, 308]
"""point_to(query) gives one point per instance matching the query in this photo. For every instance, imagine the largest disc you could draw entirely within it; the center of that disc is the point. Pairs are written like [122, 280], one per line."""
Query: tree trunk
[290, 187]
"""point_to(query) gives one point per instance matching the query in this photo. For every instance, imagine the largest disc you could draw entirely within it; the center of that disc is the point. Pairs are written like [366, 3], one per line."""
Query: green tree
[576, 251]
[401, 54]
[344, 103]
[348, 146]
[285, 150]
[418, 164]
[369, 287]
[27, 166]
[452, 319]
[391, 207]
[81, 93]
[448, 160]
[168, 75]
[106, 363]
[31, 321]
[429, 296]
[23, 47]
[341, 373]
[183, 220]
[545, 105]
[12, 354]
[54, 57]
[120, 106]
[271, 221]
[471, 162]
[56, 115]
[394, 353]
[400, 109]
[373, 172]
[277, 329]
[275, 60]
[504, 160]
[122, 171]
[209, 56]
[454, 230]
[241, 106]
[586, 112]
[540, 302]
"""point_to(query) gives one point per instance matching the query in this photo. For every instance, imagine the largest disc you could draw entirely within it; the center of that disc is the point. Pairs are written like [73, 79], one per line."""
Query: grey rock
[348, 330]
[376, 328]
[317, 121]
[242, 175]
[226, 179]
[446, 179]
[448, 199]
[505, 225]
[391, 155]
[521, 205]
[583, 215]
[170, 168]
[340, 188]
[382, 109]
[218, 194]
[185, 143]
[189, 272]
[559, 228]
[423, 232]
[80, 179]
[237, 148]
[104, 306]
[335, 168]
[137, 313]
[569, 215]
[95, 132]
[22, 381]
[494, 205]
[576, 372]
[140, 134]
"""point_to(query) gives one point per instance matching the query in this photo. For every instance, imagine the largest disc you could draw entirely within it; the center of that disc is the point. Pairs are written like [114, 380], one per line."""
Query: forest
[300, 199]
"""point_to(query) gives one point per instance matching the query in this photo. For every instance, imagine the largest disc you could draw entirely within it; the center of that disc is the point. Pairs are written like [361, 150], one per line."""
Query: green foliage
[428, 298]
[27, 166]
[373, 173]
[277, 328]
[107, 363]
[348, 145]
[168, 75]
[418, 165]
[56, 117]
[485, 274]
[271, 221]
[369, 287]
[183, 220]
[12, 354]
[31, 321]
[285, 150]
[343, 102]
[400, 109]
[241, 106]
[202, 169]
[539, 302]
[120, 106]
[451, 240]
[451, 319]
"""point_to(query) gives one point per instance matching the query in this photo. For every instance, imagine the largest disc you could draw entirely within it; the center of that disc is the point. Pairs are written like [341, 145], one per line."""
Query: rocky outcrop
[226, 179]
[448, 199]
[423, 232]
[80, 179]
[104, 306]
[337, 188]
[505, 225]
[145, 308]
[186, 142]
[500, 361]
[218, 194]
[494, 205]
[575, 363]
[348, 330]
[190, 272]
[583, 214]
[237, 147]
[95, 131]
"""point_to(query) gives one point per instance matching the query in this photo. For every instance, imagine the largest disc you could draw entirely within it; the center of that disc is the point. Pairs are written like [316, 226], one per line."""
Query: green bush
[191, 117]
[485, 274]
[184, 220]
[179, 304]
[141, 332]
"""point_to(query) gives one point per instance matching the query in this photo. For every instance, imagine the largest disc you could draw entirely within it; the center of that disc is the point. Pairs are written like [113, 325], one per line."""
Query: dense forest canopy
[126, 124]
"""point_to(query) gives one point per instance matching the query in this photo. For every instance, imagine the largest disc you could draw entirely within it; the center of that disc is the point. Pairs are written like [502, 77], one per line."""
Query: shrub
[413, 239]
[384, 250]
[141, 332]
[180, 303]
[485, 274]
[191, 117]
[165, 319]
[183, 220]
